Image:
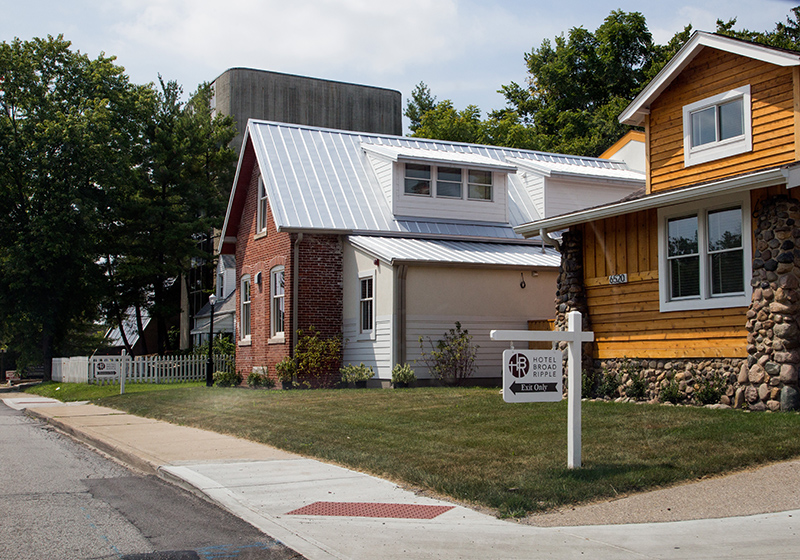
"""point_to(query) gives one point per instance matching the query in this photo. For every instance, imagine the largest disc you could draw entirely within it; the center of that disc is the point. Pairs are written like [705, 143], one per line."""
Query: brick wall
[320, 286]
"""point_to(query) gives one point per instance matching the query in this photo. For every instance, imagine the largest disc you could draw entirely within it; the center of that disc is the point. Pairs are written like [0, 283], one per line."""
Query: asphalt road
[59, 499]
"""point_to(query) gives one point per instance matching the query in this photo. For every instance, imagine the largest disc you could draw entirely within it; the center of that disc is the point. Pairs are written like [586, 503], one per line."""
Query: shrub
[403, 374]
[671, 393]
[452, 359]
[260, 379]
[353, 374]
[709, 392]
[588, 383]
[286, 370]
[227, 378]
[314, 356]
[609, 383]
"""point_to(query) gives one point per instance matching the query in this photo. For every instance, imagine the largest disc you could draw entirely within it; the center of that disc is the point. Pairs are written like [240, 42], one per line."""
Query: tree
[179, 195]
[420, 103]
[68, 130]
[784, 36]
[576, 88]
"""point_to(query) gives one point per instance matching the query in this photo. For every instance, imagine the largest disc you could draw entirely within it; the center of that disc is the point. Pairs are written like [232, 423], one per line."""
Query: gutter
[295, 288]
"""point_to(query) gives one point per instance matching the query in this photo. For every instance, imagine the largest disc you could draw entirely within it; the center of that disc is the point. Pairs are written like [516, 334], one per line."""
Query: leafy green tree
[785, 35]
[420, 103]
[179, 195]
[69, 126]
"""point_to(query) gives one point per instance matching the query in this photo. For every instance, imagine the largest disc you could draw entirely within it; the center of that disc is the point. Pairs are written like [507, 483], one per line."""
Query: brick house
[382, 239]
[696, 278]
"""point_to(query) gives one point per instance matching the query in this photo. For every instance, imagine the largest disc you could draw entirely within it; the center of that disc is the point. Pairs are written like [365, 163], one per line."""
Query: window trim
[705, 300]
[367, 334]
[694, 155]
[433, 181]
[276, 336]
[261, 209]
[245, 281]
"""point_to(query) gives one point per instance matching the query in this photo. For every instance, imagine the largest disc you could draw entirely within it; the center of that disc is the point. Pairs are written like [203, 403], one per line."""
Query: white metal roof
[441, 251]
[321, 179]
[555, 168]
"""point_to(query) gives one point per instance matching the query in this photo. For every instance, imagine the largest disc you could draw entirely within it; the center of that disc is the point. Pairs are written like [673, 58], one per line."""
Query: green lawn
[470, 445]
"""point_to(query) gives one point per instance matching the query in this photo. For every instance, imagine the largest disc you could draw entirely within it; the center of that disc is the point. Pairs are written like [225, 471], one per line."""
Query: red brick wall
[320, 285]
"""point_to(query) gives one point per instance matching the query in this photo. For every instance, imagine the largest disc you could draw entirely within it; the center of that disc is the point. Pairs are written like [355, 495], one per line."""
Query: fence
[144, 369]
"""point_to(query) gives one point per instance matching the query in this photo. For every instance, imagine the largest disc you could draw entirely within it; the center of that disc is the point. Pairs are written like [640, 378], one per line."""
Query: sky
[464, 50]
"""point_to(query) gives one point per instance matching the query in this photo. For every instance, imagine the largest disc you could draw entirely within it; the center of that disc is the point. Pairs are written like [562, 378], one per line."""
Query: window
[418, 179]
[277, 309]
[705, 252]
[450, 182]
[245, 308]
[717, 127]
[366, 321]
[261, 212]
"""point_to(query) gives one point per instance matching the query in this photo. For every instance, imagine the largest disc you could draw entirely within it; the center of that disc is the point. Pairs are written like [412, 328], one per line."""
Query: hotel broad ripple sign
[532, 376]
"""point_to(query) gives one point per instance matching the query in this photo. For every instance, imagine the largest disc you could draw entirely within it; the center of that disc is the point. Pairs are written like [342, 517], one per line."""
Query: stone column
[571, 293]
[769, 381]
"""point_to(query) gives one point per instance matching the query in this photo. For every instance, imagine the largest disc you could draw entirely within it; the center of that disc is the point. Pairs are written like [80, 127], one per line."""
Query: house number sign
[618, 279]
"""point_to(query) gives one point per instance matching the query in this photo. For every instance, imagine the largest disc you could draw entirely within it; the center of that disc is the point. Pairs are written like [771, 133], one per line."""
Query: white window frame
[364, 333]
[465, 184]
[705, 300]
[245, 307]
[275, 334]
[261, 209]
[694, 155]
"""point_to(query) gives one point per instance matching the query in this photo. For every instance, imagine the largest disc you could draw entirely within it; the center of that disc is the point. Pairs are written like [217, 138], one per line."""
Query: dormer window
[447, 182]
[717, 127]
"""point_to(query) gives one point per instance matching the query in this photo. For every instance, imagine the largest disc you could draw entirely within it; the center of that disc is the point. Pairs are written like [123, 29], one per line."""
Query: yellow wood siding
[626, 319]
[710, 73]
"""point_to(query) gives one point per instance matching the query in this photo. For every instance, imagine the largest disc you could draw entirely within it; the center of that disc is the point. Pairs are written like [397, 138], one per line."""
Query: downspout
[295, 289]
[401, 271]
[549, 240]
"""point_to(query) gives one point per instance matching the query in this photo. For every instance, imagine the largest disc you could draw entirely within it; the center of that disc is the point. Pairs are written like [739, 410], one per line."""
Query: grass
[68, 392]
[470, 445]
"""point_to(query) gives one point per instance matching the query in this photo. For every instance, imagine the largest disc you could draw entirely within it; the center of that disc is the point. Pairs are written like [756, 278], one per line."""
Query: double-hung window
[705, 256]
[717, 127]
[366, 320]
[244, 323]
[277, 301]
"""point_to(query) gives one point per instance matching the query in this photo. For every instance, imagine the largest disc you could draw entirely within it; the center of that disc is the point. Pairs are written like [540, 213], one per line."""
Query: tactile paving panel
[365, 509]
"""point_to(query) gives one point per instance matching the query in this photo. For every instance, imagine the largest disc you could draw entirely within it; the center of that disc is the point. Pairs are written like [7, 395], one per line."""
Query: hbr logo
[519, 365]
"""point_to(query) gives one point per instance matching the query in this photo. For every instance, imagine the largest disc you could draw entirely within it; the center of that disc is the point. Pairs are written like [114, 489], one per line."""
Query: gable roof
[635, 112]
[322, 180]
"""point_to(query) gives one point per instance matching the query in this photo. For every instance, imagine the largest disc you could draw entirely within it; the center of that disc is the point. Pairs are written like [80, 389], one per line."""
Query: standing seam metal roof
[321, 179]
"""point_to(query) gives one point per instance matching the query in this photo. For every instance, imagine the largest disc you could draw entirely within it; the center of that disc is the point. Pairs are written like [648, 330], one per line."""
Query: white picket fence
[145, 369]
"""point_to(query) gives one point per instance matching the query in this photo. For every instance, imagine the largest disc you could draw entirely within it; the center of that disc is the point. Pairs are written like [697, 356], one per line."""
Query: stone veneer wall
[773, 337]
[571, 296]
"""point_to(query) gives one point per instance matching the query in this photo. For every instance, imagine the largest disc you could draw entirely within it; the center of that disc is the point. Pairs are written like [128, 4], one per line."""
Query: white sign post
[574, 337]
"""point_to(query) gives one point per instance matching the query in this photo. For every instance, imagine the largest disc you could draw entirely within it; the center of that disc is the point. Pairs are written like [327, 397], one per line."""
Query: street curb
[128, 458]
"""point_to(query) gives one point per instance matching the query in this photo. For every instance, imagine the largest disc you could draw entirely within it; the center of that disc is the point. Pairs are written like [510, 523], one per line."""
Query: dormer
[422, 183]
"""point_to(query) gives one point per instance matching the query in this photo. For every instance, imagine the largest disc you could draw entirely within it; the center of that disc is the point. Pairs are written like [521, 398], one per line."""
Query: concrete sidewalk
[324, 511]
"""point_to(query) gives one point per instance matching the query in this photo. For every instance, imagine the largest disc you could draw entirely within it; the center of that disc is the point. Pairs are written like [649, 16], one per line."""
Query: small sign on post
[574, 336]
[532, 376]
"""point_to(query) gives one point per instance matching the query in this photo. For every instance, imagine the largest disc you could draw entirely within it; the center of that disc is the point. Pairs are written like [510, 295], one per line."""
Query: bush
[671, 393]
[710, 392]
[286, 370]
[609, 383]
[315, 357]
[452, 359]
[227, 378]
[260, 379]
[403, 374]
[354, 374]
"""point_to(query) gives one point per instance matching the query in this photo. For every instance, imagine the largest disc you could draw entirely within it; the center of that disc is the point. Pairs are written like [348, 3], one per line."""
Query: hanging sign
[532, 376]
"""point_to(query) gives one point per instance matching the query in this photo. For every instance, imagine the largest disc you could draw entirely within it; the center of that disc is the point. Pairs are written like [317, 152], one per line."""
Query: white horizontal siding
[489, 359]
[376, 353]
